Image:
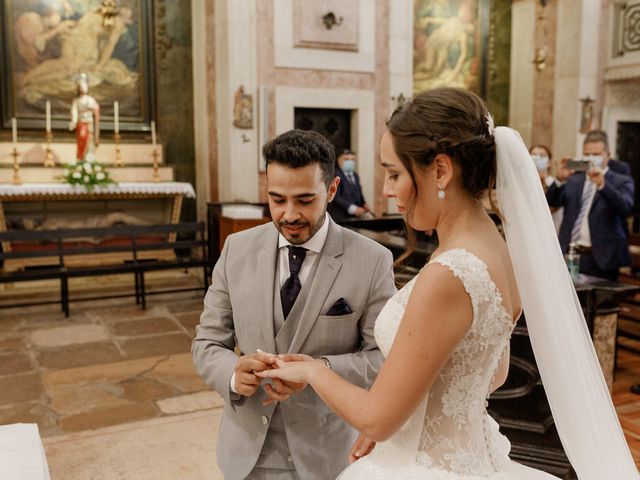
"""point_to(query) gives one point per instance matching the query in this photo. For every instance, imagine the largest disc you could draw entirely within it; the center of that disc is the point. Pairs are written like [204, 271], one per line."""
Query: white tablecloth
[169, 188]
[22, 455]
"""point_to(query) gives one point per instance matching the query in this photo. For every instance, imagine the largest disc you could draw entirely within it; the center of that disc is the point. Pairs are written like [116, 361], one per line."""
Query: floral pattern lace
[457, 434]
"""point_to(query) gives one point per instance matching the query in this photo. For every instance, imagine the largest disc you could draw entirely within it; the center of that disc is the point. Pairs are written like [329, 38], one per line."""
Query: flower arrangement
[87, 173]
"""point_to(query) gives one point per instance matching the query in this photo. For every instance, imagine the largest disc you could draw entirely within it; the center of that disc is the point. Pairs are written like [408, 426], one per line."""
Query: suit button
[265, 420]
[289, 459]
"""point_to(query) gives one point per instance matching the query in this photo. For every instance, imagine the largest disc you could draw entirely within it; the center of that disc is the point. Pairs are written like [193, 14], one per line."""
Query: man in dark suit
[349, 201]
[596, 203]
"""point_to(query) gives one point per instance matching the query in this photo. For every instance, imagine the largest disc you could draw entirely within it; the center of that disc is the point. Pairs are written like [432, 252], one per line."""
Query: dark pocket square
[341, 307]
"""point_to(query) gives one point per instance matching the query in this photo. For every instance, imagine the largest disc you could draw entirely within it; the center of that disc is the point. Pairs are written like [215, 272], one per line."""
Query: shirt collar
[315, 243]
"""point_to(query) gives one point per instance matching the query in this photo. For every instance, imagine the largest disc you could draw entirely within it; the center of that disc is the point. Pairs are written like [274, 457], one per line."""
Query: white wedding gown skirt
[451, 436]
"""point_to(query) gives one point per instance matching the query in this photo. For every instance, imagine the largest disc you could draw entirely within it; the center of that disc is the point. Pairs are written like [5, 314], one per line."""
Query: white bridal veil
[582, 409]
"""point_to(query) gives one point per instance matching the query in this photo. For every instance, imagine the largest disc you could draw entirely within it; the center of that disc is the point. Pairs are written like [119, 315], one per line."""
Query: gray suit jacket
[239, 308]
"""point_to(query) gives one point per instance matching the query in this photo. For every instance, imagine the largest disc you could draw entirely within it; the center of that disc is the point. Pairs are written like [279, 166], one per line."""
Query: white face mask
[541, 161]
[596, 160]
[349, 165]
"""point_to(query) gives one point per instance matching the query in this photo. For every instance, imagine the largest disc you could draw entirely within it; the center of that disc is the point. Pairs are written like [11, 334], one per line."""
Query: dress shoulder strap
[473, 273]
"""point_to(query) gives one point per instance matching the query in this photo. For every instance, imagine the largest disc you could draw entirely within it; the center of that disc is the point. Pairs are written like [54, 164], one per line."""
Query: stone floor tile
[192, 305]
[73, 399]
[20, 388]
[13, 344]
[138, 389]
[30, 412]
[113, 373]
[117, 313]
[167, 344]
[179, 372]
[14, 362]
[144, 326]
[191, 402]
[145, 450]
[78, 355]
[189, 320]
[69, 335]
[111, 416]
[8, 323]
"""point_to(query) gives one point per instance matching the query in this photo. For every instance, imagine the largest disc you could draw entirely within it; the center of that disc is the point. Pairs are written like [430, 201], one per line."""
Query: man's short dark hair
[299, 148]
[595, 136]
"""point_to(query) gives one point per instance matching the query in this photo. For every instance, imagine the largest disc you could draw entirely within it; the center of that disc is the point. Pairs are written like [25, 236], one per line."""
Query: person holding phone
[596, 202]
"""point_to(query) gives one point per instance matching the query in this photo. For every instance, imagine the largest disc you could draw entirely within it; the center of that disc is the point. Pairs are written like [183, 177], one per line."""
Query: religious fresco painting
[450, 45]
[47, 44]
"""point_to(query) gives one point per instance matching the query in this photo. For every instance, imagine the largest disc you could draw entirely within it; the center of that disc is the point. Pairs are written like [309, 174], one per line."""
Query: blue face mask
[596, 160]
[349, 166]
[541, 161]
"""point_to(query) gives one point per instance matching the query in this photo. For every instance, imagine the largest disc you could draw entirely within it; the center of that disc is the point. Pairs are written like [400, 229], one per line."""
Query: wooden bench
[131, 245]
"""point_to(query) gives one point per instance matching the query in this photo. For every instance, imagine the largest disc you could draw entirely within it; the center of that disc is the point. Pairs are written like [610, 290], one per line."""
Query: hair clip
[490, 125]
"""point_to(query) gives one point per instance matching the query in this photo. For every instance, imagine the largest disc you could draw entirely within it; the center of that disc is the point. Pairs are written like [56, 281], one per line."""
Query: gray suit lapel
[264, 284]
[326, 273]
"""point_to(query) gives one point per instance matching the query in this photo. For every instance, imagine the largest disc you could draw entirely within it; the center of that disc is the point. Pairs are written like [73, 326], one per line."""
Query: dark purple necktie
[291, 288]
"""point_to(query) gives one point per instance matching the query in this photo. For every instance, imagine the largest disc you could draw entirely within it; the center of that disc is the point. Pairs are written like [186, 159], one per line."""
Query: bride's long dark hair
[450, 121]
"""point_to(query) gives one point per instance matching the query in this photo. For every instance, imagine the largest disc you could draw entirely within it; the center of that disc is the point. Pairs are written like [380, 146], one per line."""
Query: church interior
[131, 135]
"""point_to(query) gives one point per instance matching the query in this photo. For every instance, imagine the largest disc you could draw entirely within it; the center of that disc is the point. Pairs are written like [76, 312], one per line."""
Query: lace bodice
[457, 434]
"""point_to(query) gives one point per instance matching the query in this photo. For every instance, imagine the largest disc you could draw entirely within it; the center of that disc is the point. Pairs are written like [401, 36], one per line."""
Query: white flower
[88, 167]
[98, 168]
[86, 179]
[490, 125]
[100, 176]
[77, 175]
[90, 157]
[67, 172]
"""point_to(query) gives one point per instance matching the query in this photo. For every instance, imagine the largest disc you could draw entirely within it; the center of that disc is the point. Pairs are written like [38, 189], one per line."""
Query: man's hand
[246, 382]
[362, 447]
[596, 175]
[563, 172]
[359, 212]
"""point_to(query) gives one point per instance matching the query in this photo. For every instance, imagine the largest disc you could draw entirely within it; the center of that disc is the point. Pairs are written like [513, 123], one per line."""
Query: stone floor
[110, 371]
[112, 387]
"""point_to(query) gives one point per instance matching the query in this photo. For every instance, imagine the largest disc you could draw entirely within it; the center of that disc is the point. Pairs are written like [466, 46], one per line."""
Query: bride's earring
[441, 194]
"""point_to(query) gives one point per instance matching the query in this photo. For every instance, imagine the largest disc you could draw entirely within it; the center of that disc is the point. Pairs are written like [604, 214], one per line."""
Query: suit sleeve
[361, 368]
[212, 348]
[619, 197]
[555, 195]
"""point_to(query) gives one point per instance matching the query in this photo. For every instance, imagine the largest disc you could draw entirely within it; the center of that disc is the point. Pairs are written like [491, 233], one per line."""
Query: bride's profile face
[398, 184]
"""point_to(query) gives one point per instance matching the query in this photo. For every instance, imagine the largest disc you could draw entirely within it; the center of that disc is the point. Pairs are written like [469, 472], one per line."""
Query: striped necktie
[584, 208]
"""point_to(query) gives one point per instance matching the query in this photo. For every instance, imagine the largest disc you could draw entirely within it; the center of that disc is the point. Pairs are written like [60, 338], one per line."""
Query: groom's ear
[443, 170]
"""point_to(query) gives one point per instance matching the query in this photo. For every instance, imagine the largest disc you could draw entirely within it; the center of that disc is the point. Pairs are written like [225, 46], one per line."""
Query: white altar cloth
[22, 455]
[64, 189]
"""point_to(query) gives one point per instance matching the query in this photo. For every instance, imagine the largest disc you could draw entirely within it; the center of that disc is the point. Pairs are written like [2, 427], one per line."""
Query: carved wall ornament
[242, 109]
[327, 25]
[586, 114]
[109, 10]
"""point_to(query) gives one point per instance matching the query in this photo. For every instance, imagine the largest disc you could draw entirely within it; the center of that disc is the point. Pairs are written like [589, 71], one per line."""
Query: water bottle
[573, 262]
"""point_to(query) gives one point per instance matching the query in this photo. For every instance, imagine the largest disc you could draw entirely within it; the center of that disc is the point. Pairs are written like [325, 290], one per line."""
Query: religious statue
[242, 109]
[85, 119]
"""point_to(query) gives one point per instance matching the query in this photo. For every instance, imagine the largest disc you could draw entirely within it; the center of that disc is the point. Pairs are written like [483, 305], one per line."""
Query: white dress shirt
[314, 246]
[584, 238]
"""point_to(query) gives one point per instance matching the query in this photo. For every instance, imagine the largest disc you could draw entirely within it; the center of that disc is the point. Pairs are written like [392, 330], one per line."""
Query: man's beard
[313, 230]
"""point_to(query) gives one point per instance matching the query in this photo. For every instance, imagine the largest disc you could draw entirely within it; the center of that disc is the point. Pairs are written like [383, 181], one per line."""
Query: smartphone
[578, 165]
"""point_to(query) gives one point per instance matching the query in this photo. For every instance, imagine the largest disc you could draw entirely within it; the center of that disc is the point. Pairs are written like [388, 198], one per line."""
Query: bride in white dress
[446, 334]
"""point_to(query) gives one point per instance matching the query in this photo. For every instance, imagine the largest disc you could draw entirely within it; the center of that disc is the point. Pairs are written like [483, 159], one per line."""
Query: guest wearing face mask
[596, 204]
[349, 201]
[541, 156]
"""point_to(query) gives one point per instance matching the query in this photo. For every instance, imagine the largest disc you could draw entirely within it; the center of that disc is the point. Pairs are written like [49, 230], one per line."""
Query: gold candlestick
[156, 175]
[116, 138]
[16, 167]
[49, 160]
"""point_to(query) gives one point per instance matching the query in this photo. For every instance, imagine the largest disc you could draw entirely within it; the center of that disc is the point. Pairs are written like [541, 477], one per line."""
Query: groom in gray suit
[301, 285]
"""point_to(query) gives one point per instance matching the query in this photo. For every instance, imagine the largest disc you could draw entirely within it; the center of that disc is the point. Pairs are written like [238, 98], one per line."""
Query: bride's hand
[362, 447]
[295, 372]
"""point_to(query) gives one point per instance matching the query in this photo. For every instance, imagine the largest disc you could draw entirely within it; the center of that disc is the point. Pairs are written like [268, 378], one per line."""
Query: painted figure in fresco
[443, 48]
[86, 48]
[34, 31]
[85, 119]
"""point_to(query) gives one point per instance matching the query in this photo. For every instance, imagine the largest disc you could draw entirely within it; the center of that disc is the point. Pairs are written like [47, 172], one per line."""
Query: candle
[48, 116]
[153, 133]
[14, 131]
[116, 115]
